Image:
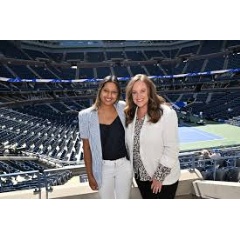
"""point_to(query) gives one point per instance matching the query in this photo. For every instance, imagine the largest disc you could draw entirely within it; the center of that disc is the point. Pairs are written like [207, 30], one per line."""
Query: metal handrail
[48, 187]
[36, 190]
[196, 158]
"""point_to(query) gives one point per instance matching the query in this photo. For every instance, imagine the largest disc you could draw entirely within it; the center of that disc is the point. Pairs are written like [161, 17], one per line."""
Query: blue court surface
[191, 134]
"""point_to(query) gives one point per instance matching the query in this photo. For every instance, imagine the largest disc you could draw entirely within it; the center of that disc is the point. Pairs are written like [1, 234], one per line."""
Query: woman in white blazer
[151, 139]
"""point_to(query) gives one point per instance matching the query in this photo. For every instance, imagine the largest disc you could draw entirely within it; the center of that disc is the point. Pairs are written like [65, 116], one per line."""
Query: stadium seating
[43, 89]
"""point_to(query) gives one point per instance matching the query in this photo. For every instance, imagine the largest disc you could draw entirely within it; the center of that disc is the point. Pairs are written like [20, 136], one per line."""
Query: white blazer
[158, 144]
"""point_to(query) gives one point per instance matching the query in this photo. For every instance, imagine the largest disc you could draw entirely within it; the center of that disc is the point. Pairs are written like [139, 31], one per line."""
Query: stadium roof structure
[105, 43]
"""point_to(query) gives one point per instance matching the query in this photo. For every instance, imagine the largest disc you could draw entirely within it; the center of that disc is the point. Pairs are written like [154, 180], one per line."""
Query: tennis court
[208, 136]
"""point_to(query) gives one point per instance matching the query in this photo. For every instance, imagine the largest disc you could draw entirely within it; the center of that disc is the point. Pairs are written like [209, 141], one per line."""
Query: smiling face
[109, 94]
[140, 94]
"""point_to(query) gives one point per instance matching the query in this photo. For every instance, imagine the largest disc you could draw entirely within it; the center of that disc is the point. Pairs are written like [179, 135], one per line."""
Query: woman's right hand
[93, 183]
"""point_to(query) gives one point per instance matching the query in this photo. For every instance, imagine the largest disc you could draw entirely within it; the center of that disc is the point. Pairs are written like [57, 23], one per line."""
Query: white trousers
[116, 179]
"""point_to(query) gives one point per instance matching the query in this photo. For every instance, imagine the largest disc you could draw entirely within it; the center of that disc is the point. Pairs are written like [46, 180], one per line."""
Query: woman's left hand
[156, 186]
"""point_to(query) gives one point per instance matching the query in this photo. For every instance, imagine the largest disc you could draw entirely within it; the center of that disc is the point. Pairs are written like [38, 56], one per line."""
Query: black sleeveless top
[113, 140]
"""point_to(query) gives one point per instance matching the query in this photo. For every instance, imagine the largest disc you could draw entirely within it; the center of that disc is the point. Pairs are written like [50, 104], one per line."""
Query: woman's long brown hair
[154, 110]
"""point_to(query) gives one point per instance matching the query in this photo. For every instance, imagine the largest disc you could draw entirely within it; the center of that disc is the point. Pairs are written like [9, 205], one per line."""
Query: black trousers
[167, 192]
